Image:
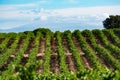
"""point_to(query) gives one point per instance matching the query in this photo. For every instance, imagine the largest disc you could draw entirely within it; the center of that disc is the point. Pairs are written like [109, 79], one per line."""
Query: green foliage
[109, 51]
[88, 41]
[112, 22]
[75, 52]
[27, 72]
[61, 53]
[87, 50]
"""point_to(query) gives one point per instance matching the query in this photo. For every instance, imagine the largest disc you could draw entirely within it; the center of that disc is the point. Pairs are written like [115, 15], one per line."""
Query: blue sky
[63, 3]
[77, 14]
[83, 2]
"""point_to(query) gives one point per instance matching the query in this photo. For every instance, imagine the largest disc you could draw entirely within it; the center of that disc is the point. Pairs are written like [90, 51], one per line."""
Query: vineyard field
[45, 55]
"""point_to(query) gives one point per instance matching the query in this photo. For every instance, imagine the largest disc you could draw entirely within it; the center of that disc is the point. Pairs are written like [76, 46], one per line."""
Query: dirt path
[20, 44]
[54, 67]
[65, 45]
[42, 46]
[26, 53]
[100, 57]
[71, 63]
[41, 53]
[54, 57]
[84, 58]
[11, 57]
[103, 61]
[69, 59]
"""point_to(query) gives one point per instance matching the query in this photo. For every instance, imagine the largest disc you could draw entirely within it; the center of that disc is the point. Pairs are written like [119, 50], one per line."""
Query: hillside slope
[42, 54]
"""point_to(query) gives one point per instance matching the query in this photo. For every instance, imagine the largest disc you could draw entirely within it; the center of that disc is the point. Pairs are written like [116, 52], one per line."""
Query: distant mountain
[53, 27]
[20, 29]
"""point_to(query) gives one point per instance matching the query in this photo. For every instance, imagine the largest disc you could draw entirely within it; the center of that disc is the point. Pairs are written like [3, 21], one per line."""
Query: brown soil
[101, 58]
[103, 45]
[5, 65]
[30, 46]
[9, 43]
[42, 45]
[105, 62]
[40, 68]
[41, 53]
[53, 45]
[86, 62]
[54, 67]
[71, 63]
[11, 57]
[84, 58]
[26, 53]
[69, 59]
[65, 45]
[76, 43]
[20, 43]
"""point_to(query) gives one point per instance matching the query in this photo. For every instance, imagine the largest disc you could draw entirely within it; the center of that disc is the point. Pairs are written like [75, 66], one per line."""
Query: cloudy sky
[55, 14]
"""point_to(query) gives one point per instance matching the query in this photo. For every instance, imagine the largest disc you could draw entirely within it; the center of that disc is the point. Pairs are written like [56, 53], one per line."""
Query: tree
[112, 22]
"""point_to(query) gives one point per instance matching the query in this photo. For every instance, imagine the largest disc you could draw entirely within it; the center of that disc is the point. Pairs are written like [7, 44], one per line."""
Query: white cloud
[88, 11]
[43, 17]
[67, 12]
[84, 15]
